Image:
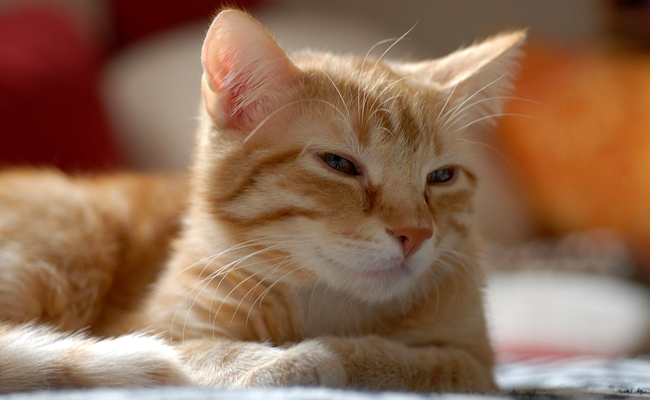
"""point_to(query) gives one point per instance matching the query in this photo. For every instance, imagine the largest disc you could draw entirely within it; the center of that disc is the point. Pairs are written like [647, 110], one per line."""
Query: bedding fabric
[577, 378]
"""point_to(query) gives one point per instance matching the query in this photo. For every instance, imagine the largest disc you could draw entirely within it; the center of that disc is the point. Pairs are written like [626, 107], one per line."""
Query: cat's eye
[444, 175]
[339, 163]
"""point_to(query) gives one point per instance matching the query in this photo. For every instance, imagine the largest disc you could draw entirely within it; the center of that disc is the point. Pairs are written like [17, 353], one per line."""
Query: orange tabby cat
[327, 238]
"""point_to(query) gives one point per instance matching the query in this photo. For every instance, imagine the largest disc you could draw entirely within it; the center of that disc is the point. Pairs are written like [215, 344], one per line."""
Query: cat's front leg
[376, 363]
[233, 364]
[309, 363]
[370, 362]
[37, 357]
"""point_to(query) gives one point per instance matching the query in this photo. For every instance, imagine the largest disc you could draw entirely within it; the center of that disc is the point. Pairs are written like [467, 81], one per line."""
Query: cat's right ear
[244, 70]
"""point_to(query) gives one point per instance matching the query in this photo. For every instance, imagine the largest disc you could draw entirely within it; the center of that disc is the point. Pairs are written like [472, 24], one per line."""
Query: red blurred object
[51, 111]
[50, 108]
[630, 21]
[135, 20]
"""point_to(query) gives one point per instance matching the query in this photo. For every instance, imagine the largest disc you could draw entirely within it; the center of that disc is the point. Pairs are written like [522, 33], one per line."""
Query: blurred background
[96, 85]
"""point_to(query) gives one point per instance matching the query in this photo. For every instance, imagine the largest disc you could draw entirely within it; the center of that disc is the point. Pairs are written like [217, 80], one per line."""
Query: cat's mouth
[396, 271]
[375, 280]
[390, 269]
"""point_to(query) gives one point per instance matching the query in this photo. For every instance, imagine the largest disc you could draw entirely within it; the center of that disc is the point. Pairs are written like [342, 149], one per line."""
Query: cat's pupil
[339, 163]
[441, 175]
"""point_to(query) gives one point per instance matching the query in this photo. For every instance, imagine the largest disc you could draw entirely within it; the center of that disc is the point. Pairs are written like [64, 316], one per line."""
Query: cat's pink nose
[411, 238]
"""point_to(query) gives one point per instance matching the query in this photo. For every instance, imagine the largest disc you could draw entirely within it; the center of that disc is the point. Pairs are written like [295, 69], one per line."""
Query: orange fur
[285, 271]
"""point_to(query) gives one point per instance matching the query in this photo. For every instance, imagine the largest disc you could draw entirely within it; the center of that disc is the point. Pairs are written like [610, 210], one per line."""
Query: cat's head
[347, 171]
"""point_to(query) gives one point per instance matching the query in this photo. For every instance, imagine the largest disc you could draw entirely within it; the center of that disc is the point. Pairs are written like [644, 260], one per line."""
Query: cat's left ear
[244, 70]
[482, 71]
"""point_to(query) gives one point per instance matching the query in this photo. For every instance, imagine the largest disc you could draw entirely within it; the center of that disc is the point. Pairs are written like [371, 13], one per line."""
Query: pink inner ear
[237, 85]
[229, 85]
[217, 64]
[245, 69]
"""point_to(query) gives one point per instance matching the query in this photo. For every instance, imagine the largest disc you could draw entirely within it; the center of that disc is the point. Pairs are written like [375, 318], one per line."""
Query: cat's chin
[396, 271]
[385, 282]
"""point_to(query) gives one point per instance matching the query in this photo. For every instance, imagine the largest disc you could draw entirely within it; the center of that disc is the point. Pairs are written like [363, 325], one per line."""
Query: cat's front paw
[133, 360]
[309, 363]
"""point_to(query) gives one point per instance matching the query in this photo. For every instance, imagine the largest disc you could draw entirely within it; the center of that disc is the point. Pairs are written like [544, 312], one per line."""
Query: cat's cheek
[309, 363]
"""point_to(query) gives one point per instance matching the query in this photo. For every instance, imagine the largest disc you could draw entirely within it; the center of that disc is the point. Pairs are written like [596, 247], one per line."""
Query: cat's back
[75, 250]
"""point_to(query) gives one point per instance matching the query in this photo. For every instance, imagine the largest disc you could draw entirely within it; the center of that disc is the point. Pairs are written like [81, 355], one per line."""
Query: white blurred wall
[444, 25]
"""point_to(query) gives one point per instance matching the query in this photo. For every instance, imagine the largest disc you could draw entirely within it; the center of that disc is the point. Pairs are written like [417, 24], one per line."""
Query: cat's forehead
[351, 74]
[378, 107]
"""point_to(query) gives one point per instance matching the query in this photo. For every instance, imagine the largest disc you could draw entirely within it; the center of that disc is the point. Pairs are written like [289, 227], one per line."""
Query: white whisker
[399, 39]
[384, 89]
[229, 267]
[340, 95]
[447, 101]
[271, 115]
[379, 110]
[453, 109]
[495, 116]
[268, 289]
[499, 98]
[393, 45]
[225, 299]
[361, 70]
[497, 151]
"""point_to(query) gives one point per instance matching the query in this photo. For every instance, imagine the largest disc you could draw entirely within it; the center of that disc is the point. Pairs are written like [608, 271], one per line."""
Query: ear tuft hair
[244, 69]
[479, 72]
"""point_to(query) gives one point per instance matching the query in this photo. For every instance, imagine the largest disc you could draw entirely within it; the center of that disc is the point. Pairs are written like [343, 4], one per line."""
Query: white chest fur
[325, 311]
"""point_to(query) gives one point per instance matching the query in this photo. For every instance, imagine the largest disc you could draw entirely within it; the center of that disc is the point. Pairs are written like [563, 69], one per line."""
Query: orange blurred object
[583, 154]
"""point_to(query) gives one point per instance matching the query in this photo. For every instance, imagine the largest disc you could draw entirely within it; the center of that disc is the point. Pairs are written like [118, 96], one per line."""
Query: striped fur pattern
[290, 268]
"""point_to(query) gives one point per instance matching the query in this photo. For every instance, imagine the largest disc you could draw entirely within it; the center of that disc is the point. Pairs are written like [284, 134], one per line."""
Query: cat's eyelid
[332, 150]
[461, 171]
[359, 167]
[454, 172]
[456, 161]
